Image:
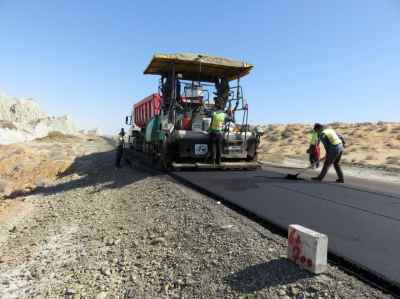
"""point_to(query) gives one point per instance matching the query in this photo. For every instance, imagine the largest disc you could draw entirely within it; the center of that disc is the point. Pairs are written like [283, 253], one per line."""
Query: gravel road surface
[100, 232]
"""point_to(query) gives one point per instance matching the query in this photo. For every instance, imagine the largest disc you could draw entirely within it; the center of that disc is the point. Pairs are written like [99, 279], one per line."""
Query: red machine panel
[146, 109]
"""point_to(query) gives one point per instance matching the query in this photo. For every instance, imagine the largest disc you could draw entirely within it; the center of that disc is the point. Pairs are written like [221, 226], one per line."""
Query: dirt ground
[374, 145]
[100, 232]
[25, 166]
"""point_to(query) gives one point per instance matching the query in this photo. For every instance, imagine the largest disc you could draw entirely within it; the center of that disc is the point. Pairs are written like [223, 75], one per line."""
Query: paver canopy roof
[197, 66]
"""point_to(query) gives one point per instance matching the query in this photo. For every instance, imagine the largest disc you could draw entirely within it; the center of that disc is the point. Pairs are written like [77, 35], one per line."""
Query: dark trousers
[314, 160]
[120, 151]
[314, 155]
[332, 158]
[216, 144]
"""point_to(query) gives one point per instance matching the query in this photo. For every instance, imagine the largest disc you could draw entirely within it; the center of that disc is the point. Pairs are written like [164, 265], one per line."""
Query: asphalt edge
[346, 266]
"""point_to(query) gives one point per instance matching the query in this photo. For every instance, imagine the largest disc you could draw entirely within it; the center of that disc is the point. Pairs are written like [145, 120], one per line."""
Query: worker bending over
[334, 146]
[314, 150]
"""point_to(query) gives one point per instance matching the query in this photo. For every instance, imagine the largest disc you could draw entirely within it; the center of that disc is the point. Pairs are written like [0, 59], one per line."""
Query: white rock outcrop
[22, 120]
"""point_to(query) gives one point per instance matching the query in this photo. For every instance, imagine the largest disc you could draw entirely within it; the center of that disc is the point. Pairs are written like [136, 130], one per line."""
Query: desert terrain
[27, 166]
[74, 226]
[371, 145]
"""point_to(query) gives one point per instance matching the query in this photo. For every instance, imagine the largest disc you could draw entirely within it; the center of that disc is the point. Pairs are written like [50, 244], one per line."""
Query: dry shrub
[362, 124]
[383, 129]
[393, 160]
[287, 133]
[395, 130]
[390, 145]
[7, 125]
[293, 127]
[335, 125]
[57, 136]
[272, 127]
[352, 133]
[273, 138]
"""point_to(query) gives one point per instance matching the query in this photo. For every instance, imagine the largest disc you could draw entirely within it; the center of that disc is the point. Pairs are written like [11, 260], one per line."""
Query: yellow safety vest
[314, 138]
[217, 122]
[332, 136]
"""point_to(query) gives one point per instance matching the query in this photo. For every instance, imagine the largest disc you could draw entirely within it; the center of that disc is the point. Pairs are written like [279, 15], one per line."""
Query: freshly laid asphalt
[361, 218]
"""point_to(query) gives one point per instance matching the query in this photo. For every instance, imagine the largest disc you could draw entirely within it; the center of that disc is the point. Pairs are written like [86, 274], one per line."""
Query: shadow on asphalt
[97, 170]
[265, 275]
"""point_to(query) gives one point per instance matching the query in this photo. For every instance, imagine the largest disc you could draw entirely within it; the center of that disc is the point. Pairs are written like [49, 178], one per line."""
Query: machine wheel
[154, 156]
[252, 152]
[166, 156]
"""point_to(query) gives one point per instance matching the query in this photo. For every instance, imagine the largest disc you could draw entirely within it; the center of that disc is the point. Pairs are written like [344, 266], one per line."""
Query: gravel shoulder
[101, 232]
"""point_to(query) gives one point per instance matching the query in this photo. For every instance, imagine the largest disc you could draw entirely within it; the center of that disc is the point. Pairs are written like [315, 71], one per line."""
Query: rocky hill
[22, 120]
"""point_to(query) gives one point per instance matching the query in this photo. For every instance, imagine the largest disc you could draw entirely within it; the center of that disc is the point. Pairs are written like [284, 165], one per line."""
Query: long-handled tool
[295, 176]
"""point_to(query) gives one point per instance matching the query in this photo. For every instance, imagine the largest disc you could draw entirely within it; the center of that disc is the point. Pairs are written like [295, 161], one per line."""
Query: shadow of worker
[265, 275]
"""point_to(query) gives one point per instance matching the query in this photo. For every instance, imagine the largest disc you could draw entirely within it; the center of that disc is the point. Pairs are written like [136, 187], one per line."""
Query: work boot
[341, 181]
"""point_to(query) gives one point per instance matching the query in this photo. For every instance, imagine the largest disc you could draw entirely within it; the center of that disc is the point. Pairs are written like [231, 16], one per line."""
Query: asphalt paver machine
[172, 125]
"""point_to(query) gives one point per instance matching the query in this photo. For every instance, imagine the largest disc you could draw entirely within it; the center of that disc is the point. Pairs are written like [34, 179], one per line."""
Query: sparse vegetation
[395, 130]
[383, 129]
[368, 142]
[393, 160]
[287, 134]
[57, 136]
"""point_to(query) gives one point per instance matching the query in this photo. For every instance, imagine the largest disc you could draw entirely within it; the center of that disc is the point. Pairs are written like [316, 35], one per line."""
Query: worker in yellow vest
[334, 146]
[218, 119]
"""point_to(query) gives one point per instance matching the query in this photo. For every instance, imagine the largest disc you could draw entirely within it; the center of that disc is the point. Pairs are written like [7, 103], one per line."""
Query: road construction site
[101, 232]
[75, 225]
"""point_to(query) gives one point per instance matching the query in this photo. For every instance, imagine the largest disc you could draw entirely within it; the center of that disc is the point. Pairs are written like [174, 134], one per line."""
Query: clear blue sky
[314, 60]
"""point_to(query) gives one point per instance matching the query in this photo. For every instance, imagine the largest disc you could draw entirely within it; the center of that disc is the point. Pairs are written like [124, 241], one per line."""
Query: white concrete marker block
[307, 248]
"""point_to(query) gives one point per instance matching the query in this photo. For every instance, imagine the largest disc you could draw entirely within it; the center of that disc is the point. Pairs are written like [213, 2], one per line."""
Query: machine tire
[166, 155]
[252, 152]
